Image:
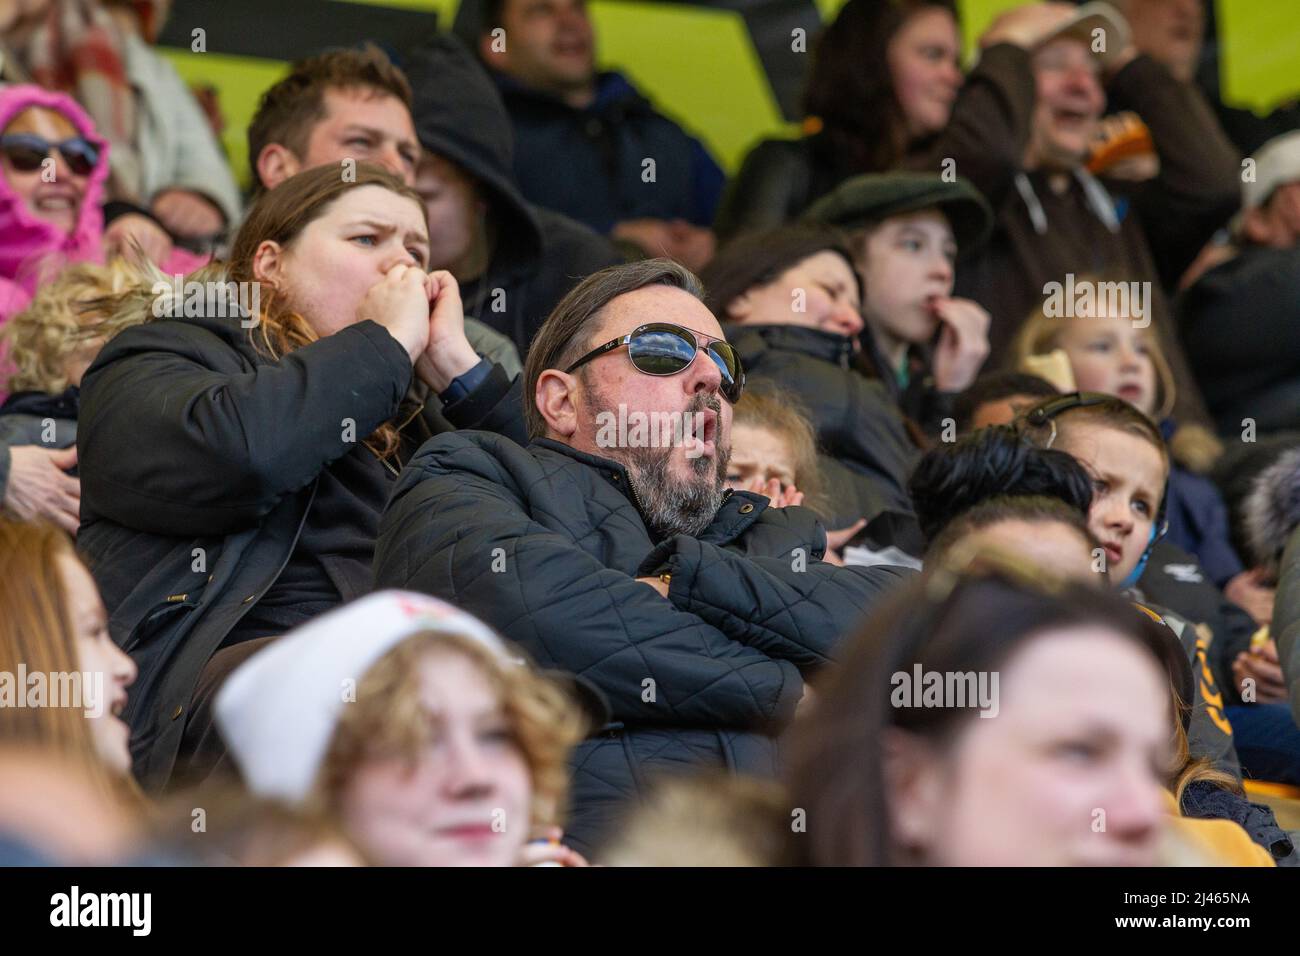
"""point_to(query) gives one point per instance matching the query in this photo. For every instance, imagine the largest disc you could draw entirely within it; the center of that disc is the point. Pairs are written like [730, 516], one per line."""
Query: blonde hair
[1192, 446]
[36, 632]
[388, 718]
[244, 829]
[65, 316]
[710, 819]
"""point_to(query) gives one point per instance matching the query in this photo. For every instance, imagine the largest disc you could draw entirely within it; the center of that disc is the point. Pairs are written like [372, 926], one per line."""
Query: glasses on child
[26, 152]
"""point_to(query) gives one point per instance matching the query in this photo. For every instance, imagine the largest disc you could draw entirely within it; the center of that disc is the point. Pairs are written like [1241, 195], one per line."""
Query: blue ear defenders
[1044, 414]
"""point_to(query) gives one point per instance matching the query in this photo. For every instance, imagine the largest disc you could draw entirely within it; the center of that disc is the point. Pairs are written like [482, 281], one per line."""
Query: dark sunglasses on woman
[660, 348]
[26, 151]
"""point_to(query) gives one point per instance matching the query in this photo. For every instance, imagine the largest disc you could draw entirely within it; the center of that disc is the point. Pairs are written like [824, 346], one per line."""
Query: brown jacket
[1161, 223]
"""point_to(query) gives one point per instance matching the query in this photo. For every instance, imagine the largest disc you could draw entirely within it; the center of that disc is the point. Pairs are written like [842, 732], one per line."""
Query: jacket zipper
[636, 499]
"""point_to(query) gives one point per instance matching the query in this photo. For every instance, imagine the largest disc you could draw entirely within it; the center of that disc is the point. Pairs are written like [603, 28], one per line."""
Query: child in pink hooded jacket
[52, 170]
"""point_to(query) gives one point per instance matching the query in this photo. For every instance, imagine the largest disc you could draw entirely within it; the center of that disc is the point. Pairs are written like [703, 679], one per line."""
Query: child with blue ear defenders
[1123, 506]
[1107, 350]
[1125, 455]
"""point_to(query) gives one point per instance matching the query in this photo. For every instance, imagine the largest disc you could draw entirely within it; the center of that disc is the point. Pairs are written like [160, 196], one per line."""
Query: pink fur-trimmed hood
[28, 245]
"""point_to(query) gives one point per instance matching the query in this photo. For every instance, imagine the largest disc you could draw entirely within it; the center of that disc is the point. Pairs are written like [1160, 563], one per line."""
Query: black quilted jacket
[545, 542]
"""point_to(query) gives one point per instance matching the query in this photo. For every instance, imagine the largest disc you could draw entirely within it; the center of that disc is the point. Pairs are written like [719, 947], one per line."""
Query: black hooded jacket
[536, 255]
[1239, 325]
[205, 463]
[866, 454]
[545, 543]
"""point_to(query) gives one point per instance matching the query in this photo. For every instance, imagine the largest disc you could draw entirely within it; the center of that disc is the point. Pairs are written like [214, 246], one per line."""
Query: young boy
[906, 231]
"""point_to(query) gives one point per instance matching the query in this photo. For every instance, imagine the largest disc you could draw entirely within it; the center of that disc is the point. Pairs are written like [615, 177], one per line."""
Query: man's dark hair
[995, 388]
[989, 463]
[289, 109]
[562, 338]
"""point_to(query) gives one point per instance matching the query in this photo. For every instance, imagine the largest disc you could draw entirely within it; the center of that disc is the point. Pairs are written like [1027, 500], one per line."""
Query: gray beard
[671, 505]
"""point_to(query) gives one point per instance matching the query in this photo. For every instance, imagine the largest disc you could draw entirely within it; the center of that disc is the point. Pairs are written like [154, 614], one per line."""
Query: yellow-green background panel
[699, 66]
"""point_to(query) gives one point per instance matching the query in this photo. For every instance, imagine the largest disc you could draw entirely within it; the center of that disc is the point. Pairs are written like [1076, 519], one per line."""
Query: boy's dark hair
[288, 110]
[995, 388]
[992, 462]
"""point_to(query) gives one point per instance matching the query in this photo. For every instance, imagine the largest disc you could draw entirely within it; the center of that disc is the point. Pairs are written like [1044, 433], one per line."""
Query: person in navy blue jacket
[588, 144]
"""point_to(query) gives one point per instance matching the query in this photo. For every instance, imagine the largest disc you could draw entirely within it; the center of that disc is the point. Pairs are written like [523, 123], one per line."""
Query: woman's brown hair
[850, 98]
[948, 621]
[280, 216]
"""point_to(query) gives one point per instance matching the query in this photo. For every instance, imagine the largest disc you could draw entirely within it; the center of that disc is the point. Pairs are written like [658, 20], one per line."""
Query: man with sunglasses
[619, 555]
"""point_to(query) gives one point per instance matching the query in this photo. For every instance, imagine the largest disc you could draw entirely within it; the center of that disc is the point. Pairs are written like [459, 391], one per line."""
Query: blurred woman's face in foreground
[98, 654]
[1068, 772]
[465, 800]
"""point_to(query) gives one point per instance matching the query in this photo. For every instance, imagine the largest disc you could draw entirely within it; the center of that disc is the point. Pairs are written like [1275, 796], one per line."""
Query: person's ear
[914, 791]
[739, 309]
[492, 48]
[276, 163]
[557, 400]
[1256, 227]
[268, 263]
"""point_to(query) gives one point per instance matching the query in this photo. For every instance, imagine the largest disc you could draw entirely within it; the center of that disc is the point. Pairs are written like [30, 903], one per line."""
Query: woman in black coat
[236, 453]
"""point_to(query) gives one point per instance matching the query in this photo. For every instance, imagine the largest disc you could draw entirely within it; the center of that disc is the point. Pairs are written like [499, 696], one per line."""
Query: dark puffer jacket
[200, 462]
[590, 163]
[1239, 324]
[866, 455]
[545, 544]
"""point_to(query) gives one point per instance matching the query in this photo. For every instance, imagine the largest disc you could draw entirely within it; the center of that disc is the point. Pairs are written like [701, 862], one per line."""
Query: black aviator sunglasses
[660, 348]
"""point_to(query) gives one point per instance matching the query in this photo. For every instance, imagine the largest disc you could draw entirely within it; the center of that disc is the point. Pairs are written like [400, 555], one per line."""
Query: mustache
[703, 400]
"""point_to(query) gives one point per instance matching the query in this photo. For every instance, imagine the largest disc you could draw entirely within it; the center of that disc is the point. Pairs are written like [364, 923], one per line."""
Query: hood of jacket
[615, 96]
[752, 340]
[1272, 510]
[163, 297]
[44, 405]
[460, 116]
[29, 244]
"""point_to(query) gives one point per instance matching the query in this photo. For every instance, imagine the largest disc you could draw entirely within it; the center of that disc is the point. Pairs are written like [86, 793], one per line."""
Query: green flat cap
[869, 199]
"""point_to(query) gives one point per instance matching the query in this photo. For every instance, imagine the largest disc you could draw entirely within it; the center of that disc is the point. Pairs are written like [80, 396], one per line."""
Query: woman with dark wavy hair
[884, 78]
